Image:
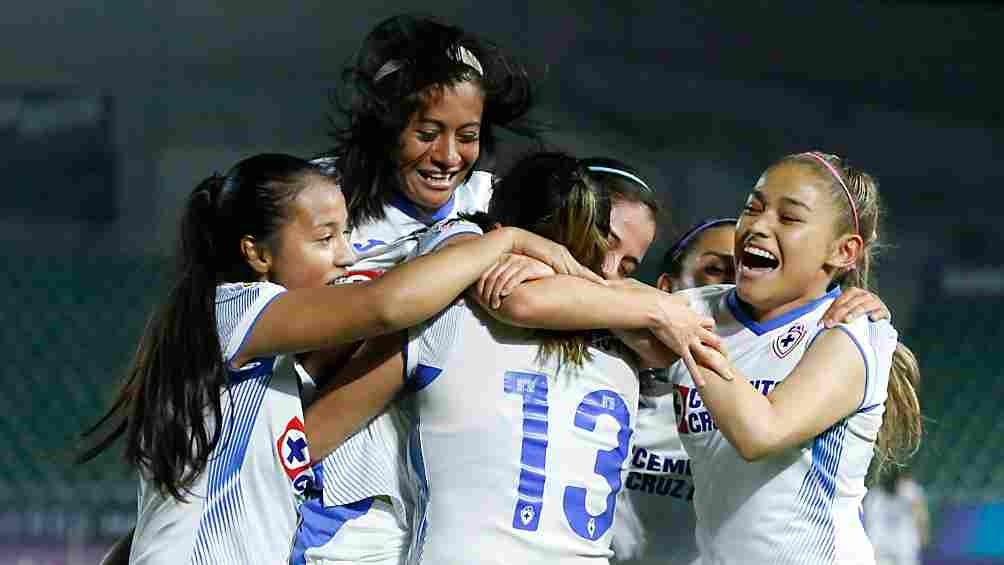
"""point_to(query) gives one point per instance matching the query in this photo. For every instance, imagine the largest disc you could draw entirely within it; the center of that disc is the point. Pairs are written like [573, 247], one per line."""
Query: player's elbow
[522, 309]
[394, 311]
[755, 445]
[750, 452]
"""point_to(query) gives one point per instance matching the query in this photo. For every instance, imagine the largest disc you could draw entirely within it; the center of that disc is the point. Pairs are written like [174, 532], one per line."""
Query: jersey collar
[402, 203]
[741, 311]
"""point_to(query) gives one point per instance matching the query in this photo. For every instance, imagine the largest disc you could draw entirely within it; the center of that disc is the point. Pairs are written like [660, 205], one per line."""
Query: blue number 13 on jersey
[532, 387]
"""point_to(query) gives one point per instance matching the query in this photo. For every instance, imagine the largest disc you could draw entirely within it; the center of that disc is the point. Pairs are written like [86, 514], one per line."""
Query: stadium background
[111, 111]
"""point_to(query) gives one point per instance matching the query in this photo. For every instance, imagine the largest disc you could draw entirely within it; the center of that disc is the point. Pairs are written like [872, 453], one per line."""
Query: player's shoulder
[480, 181]
[876, 337]
[475, 194]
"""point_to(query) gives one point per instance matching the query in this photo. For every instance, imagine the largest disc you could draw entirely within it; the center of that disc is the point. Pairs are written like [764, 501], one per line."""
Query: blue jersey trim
[224, 511]
[740, 310]
[816, 497]
[423, 376]
[253, 369]
[844, 329]
[864, 357]
[319, 524]
[402, 203]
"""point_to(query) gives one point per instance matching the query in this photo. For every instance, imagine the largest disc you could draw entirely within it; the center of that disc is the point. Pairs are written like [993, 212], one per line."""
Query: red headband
[833, 170]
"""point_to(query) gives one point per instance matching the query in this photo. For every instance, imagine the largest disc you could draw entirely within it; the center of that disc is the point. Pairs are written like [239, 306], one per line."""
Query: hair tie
[460, 54]
[618, 172]
[390, 67]
[466, 57]
[836, 174]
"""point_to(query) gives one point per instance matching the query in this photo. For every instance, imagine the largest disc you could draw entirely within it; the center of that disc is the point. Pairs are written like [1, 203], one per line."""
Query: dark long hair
[555, 196]
[401, 61]
[168, 408]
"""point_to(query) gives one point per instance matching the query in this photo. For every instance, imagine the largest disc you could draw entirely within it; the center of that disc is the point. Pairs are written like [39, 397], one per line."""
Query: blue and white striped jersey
[520, 459]
[243, 508]
[802, 505]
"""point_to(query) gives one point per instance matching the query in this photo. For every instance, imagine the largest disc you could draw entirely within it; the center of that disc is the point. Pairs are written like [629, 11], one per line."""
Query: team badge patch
[786, 342]
[294, 454]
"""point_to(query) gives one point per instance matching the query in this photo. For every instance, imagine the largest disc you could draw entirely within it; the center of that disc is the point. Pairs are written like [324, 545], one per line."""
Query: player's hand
[712, 360]
[511, 271]
[550, 253]
[681, 329]
[853, 303]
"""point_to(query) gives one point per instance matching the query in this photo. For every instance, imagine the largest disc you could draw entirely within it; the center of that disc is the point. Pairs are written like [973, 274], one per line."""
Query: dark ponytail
[169, 409]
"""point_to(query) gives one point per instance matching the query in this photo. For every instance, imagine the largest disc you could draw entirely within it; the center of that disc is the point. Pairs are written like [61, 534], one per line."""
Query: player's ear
[664, 283]
[257, 256]
[845, 252]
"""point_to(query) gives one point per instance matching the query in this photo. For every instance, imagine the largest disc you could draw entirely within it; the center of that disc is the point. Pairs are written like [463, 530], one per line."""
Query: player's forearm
[571, 303]
[743, 415]
[359, 392]
[416, 290]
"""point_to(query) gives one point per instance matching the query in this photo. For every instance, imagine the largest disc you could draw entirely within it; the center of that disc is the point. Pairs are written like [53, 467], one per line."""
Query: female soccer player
[782, 433]
[217, 437]
[422, 100]
[655, 522]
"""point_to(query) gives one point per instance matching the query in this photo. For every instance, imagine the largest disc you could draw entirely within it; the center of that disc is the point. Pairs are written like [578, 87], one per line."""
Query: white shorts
[368, 531]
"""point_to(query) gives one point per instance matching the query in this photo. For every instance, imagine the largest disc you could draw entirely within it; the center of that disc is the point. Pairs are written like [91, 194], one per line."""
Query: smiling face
[440, 144]
[311, 249]
[632, 229]
[786, 246]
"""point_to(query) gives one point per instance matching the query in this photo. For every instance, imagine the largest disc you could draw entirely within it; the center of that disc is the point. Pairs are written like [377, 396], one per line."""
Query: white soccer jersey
[656, 525]
[350, 523]
[519, 460]
[802, 505]
[243, 508]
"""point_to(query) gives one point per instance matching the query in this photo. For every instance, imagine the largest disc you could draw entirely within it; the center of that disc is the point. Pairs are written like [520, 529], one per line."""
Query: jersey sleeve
[429, 345]
[438, 234]
[238, 306]
[876, 342]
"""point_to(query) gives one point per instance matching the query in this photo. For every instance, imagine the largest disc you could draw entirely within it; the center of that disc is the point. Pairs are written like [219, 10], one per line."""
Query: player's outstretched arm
[356, 394]
[826, 386]
[565, 303]
[312, 319]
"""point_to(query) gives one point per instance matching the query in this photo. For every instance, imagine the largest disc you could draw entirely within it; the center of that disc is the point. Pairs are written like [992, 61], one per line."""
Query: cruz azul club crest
[786, 342]
[294, 455]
